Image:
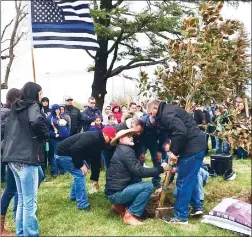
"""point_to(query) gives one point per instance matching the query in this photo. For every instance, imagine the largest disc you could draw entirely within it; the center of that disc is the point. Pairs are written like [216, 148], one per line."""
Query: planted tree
[211, 61]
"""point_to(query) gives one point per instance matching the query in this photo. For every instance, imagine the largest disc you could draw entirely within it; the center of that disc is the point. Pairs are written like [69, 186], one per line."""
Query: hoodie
[118, 115]
[45, 109]
[60, 123]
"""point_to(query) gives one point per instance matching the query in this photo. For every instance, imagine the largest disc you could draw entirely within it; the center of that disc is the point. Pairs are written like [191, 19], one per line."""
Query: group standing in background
[118, 139]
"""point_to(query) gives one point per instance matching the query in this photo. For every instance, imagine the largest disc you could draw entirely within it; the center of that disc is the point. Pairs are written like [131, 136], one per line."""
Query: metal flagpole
[32, 49]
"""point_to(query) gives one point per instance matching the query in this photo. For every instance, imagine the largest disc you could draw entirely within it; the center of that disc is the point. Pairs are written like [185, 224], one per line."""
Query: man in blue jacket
[90, 114]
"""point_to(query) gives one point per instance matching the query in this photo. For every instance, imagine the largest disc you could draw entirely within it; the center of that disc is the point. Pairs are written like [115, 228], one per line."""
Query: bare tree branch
[116, 42]
[5, 50]
[115, 54]
[129, 66]
[93, 57]
[5, 28]
[4, 41]
[117, 4]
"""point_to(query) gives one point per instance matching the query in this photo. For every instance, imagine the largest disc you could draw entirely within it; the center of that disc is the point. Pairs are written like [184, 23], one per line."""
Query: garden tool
[162, 211]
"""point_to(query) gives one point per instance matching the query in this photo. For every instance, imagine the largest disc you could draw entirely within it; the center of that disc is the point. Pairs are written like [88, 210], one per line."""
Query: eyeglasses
[92, 103]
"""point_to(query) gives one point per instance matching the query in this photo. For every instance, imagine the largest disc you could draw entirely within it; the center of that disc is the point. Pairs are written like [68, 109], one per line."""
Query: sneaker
[174, 220]
[196, 213]
[88, 208]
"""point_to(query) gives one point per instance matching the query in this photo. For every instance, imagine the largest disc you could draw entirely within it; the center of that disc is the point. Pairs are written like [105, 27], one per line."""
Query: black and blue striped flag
[62, 24]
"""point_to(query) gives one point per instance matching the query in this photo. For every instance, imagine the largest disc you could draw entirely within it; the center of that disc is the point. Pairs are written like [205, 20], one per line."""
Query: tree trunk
[100, 82]
[101, 61]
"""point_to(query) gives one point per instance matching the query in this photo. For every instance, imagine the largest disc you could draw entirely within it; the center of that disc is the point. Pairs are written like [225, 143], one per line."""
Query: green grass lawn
[58, 216]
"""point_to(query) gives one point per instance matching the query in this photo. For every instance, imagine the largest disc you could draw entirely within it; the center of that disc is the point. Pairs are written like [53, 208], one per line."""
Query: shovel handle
[166, 183]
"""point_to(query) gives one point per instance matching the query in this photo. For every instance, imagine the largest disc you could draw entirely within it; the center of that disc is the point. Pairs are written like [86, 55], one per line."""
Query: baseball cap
[109, 131]
[69, 98]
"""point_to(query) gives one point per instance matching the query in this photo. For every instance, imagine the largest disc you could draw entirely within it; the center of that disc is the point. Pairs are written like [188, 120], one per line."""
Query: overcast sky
[64, 71]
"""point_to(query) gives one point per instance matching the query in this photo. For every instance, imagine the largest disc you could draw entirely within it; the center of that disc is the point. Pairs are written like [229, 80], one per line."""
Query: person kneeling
[128, 196]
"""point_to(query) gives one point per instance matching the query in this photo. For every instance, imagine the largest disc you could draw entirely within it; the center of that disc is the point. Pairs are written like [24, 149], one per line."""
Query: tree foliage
[211, 61]
[120, 31]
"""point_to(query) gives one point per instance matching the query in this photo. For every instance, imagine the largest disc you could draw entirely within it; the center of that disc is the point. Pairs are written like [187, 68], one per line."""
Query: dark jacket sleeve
[77, 151]
[177, 130]
[80, 121]
[135, 167]
[38, 122]
[86, 118]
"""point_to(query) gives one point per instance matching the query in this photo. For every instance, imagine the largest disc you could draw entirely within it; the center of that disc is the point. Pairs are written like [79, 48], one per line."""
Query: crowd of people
[34, 133]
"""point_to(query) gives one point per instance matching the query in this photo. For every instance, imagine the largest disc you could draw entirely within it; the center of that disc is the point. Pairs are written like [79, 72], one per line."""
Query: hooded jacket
[5, 113]
[61, 124]
[118, 115]
[45, 109]
[179, 126]
[26, 129]
[125, 169]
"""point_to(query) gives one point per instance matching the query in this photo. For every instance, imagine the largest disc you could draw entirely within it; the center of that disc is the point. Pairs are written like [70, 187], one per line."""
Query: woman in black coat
[25, 133]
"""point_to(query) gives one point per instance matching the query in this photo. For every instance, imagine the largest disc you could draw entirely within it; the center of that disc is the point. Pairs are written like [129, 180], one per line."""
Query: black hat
[229, 174]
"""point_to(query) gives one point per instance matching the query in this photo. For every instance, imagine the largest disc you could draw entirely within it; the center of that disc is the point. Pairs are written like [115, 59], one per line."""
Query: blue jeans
[54, 165]
[26, 177]
[201, 177]
[10, 191]
[3, 171]
[153, 150]
[241, 153]
[78, 188]
[222, 147]
[188, 169]
[134, 197]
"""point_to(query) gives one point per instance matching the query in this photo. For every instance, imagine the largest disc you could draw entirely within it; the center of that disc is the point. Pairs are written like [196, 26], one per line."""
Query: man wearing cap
[74, 154]
[128, 196]
[188, 147]
[75, 115]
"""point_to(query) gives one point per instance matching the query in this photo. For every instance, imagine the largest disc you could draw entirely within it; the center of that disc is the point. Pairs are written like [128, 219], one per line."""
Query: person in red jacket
[116, 110]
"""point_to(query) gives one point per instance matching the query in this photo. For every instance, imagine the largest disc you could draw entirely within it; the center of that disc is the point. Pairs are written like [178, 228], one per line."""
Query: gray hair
[153, 103]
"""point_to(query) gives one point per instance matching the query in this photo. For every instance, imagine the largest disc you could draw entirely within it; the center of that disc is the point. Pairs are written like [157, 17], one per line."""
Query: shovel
[162, 211]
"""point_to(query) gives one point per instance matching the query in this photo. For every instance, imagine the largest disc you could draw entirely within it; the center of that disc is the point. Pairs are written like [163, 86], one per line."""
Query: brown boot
[130, 219]
[4, 232]
[119, 209]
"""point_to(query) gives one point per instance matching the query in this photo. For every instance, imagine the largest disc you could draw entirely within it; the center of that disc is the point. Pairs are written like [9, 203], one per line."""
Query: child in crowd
[98, 126]
[116, 110]
[111, 120]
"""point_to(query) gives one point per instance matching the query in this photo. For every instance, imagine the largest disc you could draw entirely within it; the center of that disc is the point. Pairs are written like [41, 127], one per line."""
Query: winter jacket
[25, 134]
[118, 115]
[45, 109]
[94, 128]
[83, 146]
[5, 113]
[61, 125]
[89, 116]
[180, 127]
[76, 119]
[125, 169]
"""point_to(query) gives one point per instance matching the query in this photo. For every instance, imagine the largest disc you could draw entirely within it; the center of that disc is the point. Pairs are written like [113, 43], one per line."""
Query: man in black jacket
[74, 154]
[188, 145]
[124, 171]
[75, 115]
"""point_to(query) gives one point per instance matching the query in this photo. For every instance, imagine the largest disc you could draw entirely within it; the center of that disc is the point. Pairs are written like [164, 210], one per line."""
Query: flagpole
[32, 48]
[33, 65]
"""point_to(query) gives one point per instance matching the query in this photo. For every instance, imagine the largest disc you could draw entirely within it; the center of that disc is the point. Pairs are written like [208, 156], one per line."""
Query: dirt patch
[244, 195]
[153, 204]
